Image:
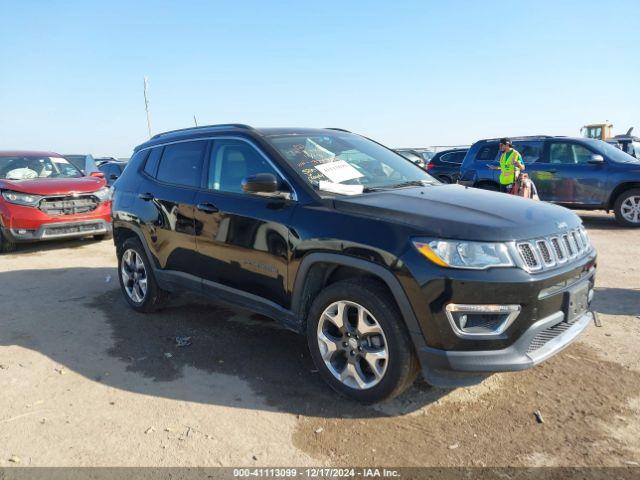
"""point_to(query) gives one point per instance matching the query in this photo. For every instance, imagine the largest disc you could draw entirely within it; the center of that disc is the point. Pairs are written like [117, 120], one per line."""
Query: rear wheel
[627, 208]
[6, 245]
[359, 343]
[137, 281]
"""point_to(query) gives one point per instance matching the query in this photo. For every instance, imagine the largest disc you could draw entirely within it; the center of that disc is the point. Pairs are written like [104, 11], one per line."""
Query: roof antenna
[629, 131]
[195, 120]
[146, 106]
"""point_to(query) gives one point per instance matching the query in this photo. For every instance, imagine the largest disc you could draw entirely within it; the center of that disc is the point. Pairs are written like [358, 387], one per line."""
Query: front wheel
[627, 208]
[6, 245]
[359, 343]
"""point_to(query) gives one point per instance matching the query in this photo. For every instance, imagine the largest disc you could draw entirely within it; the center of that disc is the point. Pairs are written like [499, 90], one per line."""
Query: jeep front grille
[68, 205]
[549, 252]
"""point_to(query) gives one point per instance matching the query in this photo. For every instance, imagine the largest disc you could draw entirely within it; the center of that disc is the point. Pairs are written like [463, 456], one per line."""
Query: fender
[384, 274]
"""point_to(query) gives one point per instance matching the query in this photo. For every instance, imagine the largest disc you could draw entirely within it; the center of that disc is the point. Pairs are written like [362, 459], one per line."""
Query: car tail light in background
[430, 166]
[97, 174]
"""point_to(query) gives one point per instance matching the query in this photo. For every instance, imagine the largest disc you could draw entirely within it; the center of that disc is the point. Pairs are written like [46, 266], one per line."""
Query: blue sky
[407, 73]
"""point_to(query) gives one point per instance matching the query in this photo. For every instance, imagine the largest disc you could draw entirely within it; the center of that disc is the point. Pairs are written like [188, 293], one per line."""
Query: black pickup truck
[385, 270]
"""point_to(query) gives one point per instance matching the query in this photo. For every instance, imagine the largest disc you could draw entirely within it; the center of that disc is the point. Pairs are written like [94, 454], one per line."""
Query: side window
[231, 162]
[453, 157]
[181, 163]
[569, 154]
[151, 167]
[531, 152]
[488, 152]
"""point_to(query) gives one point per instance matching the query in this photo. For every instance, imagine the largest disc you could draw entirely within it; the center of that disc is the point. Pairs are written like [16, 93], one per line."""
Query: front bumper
[542, 340]
[52, 231]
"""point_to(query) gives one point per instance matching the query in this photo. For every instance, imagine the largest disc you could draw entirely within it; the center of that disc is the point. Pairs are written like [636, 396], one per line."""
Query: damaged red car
[44, 197]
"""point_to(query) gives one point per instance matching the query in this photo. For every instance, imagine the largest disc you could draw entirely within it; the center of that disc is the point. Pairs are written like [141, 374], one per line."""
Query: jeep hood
[54, 186]
[454, 211]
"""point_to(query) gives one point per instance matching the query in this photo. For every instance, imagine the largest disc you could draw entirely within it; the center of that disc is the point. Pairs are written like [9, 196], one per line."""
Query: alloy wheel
[630, 209]
[352, 345]
[134, 275]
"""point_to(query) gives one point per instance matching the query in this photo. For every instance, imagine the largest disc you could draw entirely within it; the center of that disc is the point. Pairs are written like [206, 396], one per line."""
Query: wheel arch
[620, 189]
[318, 270]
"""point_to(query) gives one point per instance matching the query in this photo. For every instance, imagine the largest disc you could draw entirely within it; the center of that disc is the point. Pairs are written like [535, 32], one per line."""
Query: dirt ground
[87, 382]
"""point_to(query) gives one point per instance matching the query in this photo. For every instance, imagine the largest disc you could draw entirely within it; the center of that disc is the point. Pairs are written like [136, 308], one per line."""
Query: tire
[444, 179]
[627, 208]
[6, 245]
[394, 374]
[132, 255]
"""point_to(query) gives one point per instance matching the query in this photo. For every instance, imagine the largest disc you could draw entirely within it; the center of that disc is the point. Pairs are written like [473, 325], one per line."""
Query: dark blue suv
[579, 173]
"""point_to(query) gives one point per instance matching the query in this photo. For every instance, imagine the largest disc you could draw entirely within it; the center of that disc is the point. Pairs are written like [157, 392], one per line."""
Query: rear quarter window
[151, 167]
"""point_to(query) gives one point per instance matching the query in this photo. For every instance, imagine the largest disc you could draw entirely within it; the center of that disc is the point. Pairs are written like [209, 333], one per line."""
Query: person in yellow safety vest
[510, 164]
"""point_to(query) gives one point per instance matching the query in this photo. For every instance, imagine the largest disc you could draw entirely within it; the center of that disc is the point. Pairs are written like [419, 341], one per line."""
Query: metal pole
[146, 106]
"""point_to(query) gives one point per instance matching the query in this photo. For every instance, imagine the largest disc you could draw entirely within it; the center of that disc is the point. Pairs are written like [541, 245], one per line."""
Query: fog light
[478, 321]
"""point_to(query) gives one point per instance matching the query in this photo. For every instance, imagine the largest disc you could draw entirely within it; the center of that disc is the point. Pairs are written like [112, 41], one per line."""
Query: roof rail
[338, 129]
[201, 127]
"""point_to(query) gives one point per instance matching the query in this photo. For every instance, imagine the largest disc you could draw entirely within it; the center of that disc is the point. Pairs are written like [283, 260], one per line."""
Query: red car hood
[54, 186]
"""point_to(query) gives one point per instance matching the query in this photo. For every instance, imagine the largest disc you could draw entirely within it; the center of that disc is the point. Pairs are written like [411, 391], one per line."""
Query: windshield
[31, 167]
[613, 153]
[346, 163]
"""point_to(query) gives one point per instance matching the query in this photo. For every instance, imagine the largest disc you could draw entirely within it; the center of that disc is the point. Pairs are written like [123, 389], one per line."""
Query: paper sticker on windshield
[58, 160]
[338, 171]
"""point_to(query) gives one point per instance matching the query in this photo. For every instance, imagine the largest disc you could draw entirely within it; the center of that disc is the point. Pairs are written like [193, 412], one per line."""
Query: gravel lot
[85, 381]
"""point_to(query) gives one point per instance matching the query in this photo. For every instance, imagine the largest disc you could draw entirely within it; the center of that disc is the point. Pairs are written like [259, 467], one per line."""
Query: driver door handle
[207, 207]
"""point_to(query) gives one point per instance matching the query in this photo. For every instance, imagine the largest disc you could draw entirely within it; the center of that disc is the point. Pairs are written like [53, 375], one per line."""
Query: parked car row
[384, 269]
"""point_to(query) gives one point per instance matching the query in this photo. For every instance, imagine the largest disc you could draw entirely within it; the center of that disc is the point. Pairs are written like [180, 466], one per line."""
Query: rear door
[532, 153]
[242, 239]
[173, 175]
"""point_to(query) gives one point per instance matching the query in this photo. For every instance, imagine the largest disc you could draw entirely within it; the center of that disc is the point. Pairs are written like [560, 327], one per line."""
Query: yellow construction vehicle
[600, 131]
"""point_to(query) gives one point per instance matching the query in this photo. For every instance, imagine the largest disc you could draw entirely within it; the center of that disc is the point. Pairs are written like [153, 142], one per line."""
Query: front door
[566, 176]
[242, 239]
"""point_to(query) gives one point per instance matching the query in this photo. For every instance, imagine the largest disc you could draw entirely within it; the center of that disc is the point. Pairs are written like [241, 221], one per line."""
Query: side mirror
[260, 183]
[97, 174]
[596, 159]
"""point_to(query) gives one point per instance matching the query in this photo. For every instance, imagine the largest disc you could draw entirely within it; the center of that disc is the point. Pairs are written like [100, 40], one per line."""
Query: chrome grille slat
[549, 252]
[68, 205]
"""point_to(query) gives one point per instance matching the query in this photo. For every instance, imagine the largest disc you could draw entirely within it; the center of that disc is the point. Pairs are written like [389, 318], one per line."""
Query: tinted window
[231, 162]
[181, 163]
[453, 157]
[531, 152]
[569, 154]
[151, 167]
[488, 152]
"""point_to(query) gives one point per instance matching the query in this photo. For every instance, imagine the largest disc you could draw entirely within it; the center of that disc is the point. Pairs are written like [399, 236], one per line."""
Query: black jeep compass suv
[386, 270]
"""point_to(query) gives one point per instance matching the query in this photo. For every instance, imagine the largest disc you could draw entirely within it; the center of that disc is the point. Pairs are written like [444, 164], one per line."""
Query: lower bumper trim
[442, 367]
[52, 231]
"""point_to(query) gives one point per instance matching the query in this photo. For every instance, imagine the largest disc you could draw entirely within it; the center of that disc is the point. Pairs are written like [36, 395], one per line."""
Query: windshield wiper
[412, 183]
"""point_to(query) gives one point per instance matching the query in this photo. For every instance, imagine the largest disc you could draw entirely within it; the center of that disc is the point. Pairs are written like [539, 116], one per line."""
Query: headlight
[21, 198]
[103, 194]
[462, 254]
